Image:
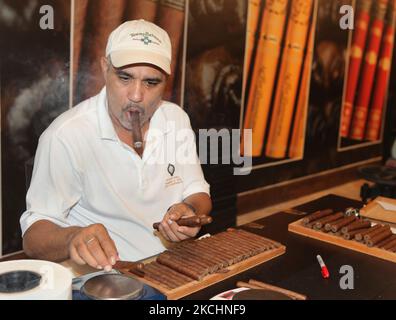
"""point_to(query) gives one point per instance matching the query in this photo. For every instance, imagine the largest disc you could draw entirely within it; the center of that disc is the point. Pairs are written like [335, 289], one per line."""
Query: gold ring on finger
[89, 240]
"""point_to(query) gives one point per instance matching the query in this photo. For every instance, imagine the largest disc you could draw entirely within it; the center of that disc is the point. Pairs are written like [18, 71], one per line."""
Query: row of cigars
[352, 228]
[192, 260]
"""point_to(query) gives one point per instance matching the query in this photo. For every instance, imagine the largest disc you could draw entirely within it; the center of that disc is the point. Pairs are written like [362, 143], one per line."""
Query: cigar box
[380, 209]
[173, 274]
[368, 235]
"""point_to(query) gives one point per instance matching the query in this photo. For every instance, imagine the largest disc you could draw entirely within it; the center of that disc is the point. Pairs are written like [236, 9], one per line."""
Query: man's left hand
[169, 228]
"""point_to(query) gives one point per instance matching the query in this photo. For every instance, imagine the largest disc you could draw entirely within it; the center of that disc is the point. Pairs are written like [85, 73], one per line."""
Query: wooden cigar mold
[351, 232]
[195, 264]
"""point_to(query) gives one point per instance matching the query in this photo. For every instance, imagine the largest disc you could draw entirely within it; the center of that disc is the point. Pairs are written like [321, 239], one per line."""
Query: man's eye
[123, 78]
[152, 83]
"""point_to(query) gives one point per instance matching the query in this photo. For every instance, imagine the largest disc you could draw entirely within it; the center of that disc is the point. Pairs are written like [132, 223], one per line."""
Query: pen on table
[324, 270]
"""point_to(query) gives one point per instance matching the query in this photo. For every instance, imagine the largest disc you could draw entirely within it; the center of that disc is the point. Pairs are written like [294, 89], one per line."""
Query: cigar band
[356, 52]
[363, 25]
[385, 64]
[371, 58]
[376, 31]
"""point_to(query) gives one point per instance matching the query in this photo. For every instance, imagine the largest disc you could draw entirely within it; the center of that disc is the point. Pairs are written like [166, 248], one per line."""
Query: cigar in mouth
[136, 132]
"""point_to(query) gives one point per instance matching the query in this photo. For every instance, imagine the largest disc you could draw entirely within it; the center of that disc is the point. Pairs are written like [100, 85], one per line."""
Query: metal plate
[112, 287]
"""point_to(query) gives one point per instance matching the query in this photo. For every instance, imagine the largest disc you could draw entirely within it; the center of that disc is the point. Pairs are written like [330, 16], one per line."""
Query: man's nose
[135, 91]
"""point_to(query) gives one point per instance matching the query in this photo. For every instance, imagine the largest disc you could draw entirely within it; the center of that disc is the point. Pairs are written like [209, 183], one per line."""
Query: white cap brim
[126, 57]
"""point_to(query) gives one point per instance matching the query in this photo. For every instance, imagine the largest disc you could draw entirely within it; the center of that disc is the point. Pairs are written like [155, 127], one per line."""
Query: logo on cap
[146, 38]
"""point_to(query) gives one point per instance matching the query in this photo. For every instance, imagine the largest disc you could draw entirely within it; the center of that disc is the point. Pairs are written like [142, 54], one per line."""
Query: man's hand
[169, 228]
[92, 245]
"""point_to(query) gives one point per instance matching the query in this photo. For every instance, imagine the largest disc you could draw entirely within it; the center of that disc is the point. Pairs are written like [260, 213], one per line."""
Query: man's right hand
[92, 245]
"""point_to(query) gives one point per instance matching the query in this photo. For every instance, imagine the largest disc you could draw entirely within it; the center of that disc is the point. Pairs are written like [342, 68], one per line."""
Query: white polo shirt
[84, 174]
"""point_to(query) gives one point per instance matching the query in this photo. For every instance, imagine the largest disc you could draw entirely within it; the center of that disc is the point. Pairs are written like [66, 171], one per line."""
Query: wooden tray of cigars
[196, 264]
[351, 232]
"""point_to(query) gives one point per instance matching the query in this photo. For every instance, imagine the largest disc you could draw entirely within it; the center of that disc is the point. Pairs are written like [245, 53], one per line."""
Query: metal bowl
[112, 287]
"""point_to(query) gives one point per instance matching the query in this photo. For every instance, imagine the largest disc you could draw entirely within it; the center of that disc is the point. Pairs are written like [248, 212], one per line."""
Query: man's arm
[196, 194]
[85, 245]
[46, 240]
[201, 202]
[56, 186]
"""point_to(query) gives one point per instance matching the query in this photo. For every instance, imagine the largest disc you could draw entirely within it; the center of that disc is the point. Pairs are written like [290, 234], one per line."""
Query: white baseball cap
[140, 41]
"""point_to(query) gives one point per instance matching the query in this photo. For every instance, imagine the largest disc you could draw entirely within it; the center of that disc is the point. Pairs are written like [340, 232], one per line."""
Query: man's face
[132, 88]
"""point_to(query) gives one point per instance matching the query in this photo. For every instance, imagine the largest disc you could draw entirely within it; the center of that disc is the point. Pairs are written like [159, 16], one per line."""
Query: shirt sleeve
[55, 185]
[193, 178]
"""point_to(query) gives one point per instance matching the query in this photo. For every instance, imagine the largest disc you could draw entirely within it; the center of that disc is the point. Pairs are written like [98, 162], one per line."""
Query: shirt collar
[158, 121]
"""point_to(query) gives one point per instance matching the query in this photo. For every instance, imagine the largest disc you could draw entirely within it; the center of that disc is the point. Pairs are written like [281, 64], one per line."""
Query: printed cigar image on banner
[93, 22]
[279, 46]
[215, 52]
[327, 81]
[34, 90]
[370, 58]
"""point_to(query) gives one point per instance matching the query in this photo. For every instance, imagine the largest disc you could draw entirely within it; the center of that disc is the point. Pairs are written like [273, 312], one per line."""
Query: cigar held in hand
[194, 221]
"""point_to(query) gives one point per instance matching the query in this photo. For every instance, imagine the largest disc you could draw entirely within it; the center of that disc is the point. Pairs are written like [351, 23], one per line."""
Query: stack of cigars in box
[352, 228]
[192, 260]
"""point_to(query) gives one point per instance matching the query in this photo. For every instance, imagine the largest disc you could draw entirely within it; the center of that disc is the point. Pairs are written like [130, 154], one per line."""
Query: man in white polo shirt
[94, 194]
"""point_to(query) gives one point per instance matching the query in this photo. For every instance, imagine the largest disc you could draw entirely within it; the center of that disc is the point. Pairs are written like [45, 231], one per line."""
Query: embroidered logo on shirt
[172, 180]
[171, 169]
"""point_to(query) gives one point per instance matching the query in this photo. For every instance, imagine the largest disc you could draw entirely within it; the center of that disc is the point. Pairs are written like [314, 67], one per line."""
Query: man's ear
[105, 67]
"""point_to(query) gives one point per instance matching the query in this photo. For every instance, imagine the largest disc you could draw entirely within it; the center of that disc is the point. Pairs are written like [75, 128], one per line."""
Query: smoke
[10, 16]
[34, 109]
[29, 9]
[26, 105]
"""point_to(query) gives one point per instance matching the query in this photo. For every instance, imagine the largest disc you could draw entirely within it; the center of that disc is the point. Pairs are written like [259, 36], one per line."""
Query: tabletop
[298, 269]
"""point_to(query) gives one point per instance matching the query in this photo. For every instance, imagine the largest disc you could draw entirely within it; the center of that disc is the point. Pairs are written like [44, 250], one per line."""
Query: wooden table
[298, 269]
